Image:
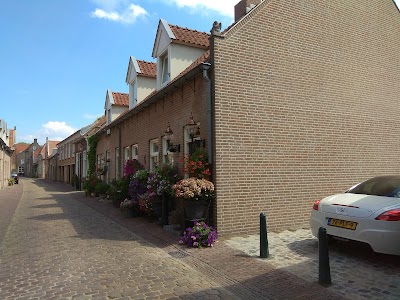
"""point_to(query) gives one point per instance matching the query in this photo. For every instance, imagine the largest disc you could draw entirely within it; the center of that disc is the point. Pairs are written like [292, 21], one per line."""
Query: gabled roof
[190, 36]
[191, 71]
[167, 33]
[120, 99]
[140, 68]
[51, 146]
[20, 147]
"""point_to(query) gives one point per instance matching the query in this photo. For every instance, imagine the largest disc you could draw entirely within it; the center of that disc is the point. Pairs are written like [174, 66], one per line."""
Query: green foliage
[90, 184]
[92, 141]
[101, 188]
[119, 189]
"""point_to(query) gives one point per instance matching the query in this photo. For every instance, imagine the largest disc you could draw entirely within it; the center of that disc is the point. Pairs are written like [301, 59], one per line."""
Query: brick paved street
[58, 244]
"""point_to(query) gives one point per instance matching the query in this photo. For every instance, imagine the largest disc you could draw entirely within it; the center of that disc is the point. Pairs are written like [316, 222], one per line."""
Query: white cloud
[54, 130]
[225, 7]
[118, 11]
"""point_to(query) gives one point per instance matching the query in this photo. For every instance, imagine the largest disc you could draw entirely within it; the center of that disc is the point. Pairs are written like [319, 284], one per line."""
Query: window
[117, 170]
[165, 69]
[73, 150]
[135, 151]
[133, 93]
[153, 154]
[84, 164]
[98, 161]
[126, 154]
[109, 116]
[108, 166]
[167, 156]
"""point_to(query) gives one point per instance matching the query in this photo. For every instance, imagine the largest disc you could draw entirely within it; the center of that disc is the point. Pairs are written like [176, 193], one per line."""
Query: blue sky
[58, 57]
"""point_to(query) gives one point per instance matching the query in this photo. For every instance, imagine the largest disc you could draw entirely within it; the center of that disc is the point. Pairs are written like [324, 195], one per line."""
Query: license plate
[342, 224]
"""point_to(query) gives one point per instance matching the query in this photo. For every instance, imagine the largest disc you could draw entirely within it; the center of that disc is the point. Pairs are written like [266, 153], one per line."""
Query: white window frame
[126, 154]
[108, 116]
[165, 69]
[133, 93]
[73, 150]
[167, 156]
[153, 154]
[135, 151]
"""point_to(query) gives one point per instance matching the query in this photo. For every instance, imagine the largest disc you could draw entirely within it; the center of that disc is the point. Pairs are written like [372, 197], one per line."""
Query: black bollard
[324, 269]
[264, 253]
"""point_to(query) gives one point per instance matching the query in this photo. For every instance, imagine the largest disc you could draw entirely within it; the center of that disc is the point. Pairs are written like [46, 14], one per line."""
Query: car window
[388, 186]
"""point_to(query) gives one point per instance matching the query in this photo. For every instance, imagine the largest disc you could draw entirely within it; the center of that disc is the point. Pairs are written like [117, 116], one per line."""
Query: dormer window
[108, 116]
[165, 69]
[133, 93]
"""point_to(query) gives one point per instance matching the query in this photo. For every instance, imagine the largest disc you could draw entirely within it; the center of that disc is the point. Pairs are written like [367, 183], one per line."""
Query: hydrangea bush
[199, 236]
[194, 189]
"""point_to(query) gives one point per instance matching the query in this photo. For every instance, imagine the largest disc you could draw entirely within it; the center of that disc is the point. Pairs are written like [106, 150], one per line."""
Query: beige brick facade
[148, 123]
[306, 105]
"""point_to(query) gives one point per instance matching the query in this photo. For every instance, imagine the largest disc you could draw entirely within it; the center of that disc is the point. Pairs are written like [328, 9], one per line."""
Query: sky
[59, 57]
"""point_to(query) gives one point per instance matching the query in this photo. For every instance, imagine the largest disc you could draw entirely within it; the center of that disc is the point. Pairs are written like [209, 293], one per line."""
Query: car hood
[356, 205]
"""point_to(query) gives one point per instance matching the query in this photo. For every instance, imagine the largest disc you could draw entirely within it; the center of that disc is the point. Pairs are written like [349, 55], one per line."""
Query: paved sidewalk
[62, 245]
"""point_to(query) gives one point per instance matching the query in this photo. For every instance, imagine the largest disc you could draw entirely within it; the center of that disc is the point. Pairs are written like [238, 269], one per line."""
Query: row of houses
[7, 138]
[294, 101]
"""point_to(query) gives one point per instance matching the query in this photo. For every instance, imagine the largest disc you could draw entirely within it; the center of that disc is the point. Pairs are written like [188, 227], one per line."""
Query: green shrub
[101, 188]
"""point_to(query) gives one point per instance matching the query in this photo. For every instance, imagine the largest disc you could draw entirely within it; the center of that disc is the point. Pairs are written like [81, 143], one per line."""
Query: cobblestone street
[58, 244]
[57, 247]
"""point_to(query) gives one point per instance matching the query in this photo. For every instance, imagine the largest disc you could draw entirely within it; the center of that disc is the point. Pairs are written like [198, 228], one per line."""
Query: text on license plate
[342, 224]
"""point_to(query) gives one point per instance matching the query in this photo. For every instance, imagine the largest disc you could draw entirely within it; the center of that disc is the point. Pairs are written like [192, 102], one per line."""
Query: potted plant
[197, 193]
[198, 236]
[101, 189]
[197, 164]
[138, 184]
[129, 206]
[160, 184]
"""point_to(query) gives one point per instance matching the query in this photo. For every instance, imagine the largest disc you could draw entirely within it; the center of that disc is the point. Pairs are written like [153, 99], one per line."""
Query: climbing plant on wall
[92, 141]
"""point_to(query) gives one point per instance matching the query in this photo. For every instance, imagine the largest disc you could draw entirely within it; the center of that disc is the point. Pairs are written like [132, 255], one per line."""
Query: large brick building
[294, 101]
[305, 105]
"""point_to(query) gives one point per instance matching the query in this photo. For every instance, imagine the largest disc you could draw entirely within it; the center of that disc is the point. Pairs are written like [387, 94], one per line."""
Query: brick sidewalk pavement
[62, 245]
[244, 276]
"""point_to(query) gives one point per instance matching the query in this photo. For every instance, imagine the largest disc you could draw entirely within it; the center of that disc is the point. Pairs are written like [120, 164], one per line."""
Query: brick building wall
[306, 105]
[151, 123]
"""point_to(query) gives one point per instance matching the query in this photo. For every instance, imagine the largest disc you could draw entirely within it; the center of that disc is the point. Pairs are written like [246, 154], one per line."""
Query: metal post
[264, 253]
[324, 269]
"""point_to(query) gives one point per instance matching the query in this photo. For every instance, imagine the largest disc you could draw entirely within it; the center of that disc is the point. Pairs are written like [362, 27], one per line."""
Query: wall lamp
[170, 146]
[194, 128]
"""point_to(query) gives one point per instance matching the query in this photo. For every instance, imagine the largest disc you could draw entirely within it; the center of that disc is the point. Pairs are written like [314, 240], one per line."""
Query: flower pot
[132, 213]
[157, 208]
[195, 210]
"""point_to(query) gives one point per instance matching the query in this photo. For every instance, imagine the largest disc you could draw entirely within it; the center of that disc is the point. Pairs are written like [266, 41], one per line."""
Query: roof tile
[147, 68]
[121, 99]
[190, 36]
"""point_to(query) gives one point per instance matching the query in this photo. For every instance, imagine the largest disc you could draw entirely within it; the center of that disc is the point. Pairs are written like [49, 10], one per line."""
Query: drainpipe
[205, 67]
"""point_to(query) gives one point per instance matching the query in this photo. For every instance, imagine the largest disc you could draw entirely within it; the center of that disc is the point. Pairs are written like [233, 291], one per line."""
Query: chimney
[243, 7]
[35, 141]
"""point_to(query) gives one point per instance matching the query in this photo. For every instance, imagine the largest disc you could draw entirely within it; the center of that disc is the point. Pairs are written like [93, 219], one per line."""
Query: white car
[368, 212]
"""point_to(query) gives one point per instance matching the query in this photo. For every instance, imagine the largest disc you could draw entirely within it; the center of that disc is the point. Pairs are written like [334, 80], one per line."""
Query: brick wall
[151, 123]
[306, 105]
